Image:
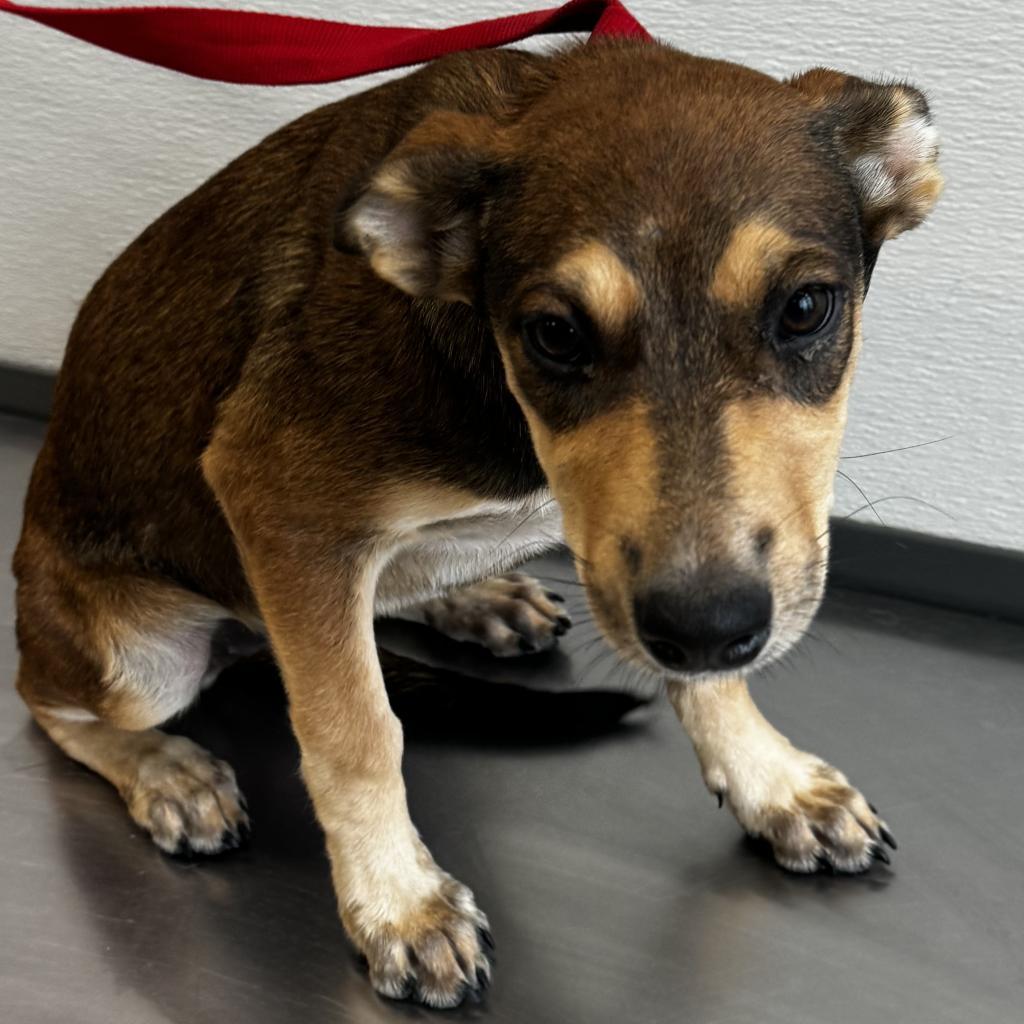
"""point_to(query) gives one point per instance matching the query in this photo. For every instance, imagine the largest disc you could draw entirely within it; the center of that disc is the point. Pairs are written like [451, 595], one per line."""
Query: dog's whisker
[863, 494]
[522, 522]
[579, 558]
[786, 518]
[603, 654]
[590, 644]
[901, 497]
[561, 581]
[818, 638]
[903, 448]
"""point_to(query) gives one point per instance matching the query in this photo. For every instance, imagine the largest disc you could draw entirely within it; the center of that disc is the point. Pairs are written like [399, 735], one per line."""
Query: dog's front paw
[439, 954]
[806, 809]
[509, 615]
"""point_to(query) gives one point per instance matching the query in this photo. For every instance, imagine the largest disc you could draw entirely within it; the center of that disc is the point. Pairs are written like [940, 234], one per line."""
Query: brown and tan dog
[333, 381]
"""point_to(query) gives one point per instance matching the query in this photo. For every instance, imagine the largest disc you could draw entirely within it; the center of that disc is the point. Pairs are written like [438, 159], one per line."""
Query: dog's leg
[184, 797]
[804, 807]
[419, 928]
[105, 658]
[509, 615]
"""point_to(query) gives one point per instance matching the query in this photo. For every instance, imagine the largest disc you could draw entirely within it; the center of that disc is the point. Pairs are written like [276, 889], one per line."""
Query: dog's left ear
[418, 222]
[884, 134]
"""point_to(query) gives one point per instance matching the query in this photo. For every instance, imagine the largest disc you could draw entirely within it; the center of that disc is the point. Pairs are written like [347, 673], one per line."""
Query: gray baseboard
[931, 570]
[899, 563]
[26, 392]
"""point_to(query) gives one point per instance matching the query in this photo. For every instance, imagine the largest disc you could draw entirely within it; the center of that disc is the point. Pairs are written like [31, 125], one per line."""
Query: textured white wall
[93, 147]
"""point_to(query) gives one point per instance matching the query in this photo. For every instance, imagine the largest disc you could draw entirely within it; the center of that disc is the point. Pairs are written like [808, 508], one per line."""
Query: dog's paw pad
[188, 800]
[509, 615]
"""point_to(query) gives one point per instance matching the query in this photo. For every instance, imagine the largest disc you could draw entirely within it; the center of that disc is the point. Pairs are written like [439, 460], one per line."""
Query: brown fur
[275, 393]
[605, 500]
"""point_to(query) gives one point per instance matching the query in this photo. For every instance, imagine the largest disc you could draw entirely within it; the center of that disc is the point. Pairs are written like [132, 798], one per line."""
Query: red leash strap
[276, 49]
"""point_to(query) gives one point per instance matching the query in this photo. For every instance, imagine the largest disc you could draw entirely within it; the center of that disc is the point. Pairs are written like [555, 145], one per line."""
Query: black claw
[527, 646]
[560, 629]
[184, 852]
[888, 837]
[878, 852]
[468, 992]
[487, 938]
[721, 799]
[408, 988]
[565, 622]
[483, 979]
[824, 864]
[873, 808]
[552, 596]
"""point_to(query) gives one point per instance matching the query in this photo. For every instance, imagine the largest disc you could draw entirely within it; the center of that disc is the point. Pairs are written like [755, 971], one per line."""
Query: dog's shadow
[254, 935]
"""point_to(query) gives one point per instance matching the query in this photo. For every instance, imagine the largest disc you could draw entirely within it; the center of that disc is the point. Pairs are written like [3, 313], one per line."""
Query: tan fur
[611, 294]
[755, 247]
[408, 506]
[915, 179]
[783, 458]
[803, 806]
[318, 602]
[602, 495]
[920, 192]
[603, 498]
[783, 455]
[173, 788]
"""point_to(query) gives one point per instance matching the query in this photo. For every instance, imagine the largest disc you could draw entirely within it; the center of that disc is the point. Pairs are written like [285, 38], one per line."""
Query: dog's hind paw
[187, 800]
[509, 615]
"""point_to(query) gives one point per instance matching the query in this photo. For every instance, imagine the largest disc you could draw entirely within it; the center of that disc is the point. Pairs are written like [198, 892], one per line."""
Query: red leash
[277, 49]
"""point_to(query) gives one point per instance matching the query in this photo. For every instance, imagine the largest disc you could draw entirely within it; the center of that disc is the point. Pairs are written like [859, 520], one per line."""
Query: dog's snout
[696, 625]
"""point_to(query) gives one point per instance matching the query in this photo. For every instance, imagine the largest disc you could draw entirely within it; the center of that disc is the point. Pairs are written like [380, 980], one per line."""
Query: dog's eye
[807, 312]
[558, 343]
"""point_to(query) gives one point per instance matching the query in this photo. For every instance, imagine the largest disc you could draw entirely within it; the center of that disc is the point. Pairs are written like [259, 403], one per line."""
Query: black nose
[713, 621]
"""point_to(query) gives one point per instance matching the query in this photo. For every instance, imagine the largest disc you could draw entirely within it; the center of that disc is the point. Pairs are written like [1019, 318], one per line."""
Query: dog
[609, 296]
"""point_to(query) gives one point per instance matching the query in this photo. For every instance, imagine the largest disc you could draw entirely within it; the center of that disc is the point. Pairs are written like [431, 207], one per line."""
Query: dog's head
[673, 253]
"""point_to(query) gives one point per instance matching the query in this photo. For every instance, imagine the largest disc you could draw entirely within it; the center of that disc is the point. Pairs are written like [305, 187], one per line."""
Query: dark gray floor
[617, 892]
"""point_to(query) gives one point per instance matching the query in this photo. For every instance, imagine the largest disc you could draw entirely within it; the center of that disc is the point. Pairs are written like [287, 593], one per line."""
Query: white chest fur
[484, 541]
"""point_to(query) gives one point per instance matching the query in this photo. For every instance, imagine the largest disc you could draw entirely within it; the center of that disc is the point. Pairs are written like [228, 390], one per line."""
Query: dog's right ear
[418, 221]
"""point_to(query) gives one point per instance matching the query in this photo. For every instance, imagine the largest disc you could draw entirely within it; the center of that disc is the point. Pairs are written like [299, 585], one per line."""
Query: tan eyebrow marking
[741, 273]
[611, 293]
